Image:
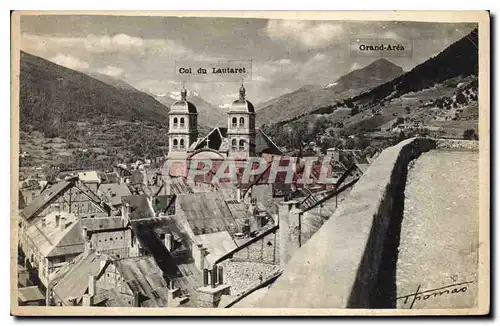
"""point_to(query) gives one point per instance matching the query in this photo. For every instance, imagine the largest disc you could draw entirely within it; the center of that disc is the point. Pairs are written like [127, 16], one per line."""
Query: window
[234, 122]
[242, 145]
[234, 145]
[242, 122]
[182, 122]
[182, 143]
[175, 143]
[175, 122]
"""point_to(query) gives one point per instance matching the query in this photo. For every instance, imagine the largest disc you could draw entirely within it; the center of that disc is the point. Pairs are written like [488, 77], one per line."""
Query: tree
[460, 97]
[401, 136]
[470, 134]
[320, 125]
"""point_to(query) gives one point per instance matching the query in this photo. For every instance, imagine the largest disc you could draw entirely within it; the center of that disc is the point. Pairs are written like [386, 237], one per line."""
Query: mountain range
[209, 115]
[53, 96]
[439, 95]
[55, 99]
[312, 97]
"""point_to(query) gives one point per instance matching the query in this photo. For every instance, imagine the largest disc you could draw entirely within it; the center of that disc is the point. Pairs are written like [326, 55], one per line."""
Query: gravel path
[439, 232]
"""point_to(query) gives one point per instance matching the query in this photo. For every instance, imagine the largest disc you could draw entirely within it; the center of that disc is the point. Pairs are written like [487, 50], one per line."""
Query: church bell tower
[183, 126]
[241, 127]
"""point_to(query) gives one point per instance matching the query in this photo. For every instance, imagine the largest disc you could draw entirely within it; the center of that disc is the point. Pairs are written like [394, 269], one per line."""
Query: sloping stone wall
[339, 266]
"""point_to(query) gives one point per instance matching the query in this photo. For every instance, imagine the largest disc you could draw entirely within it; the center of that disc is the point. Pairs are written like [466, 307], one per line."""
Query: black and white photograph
[215, 161]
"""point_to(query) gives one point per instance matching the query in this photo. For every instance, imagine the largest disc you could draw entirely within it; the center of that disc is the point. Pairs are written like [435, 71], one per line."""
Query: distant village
[140, 235]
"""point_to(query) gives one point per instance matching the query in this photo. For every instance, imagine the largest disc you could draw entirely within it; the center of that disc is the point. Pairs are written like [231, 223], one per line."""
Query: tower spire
[242, 91]
[183, 92]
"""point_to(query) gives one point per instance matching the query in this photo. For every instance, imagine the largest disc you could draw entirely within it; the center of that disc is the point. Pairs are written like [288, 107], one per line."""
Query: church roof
[183, 106]
[217, 140]
[263, 144]
[242, 105]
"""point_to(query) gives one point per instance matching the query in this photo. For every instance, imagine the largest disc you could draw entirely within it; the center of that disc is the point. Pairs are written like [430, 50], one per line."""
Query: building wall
[266, 250]
[118, 242]
[111, 279]
[73, 201]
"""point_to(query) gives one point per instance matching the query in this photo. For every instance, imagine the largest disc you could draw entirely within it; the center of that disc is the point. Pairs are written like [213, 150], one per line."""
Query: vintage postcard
[250, 163]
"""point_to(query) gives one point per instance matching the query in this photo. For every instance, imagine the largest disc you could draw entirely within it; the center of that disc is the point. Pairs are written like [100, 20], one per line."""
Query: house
[30, 296]
[112, 193]
[97, 279]
[69, 195]
[56, 239]
[186, 233]
[91, 179]
[51, 242]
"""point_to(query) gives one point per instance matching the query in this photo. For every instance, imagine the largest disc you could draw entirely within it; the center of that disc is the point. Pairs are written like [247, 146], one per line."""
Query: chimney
[88, 298]
[289, 219]
[86, 239]
[125, 211]
[85, 233]
[62, 223]
[169, 241]
[199, 253]
[210, 295]
[213, 279]
[220, 273]
[137, 300]
[44, 221]
[246, 227]
[172, 293]
[92, 285]
[238, 194]
[58, 220]
[205, 277]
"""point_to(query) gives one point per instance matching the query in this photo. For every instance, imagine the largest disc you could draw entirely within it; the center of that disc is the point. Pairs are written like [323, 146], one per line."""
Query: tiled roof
[139, 206]
[264, 144]
[110, 298]
[180, 269]
[30, 293]
[218, 244]
[89, 177]
[206, 213]
[102, 223]
[49, 194]
[72, 280]
[113, 192]
[52, 240]
[144, 277]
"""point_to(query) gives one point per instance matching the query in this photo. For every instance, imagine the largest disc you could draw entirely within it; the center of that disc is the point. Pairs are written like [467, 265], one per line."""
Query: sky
[285, 54]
